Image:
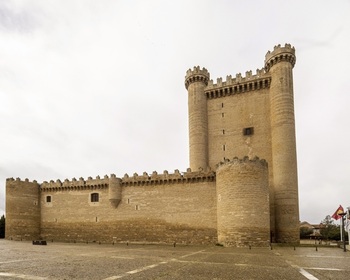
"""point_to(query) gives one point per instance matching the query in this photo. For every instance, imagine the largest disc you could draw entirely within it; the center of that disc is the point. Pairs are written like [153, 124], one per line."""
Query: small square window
[48, 199]
[94, 197]
[248, 131]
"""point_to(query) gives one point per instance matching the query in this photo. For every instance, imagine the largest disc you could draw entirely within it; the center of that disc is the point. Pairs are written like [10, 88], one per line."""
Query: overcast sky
[92, 87]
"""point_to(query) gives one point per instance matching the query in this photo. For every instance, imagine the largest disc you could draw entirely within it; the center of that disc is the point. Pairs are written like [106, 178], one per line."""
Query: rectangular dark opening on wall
[248, 131]
[48, 198]
[94, 197]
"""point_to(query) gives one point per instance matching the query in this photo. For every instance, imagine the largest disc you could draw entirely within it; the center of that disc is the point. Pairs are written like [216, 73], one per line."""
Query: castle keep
[240, 190]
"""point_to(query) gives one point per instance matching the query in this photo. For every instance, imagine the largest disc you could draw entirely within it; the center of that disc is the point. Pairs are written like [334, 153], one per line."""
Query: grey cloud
[19, 20]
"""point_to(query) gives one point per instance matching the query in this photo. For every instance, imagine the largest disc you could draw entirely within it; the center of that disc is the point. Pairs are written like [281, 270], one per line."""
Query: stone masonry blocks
[243, 203]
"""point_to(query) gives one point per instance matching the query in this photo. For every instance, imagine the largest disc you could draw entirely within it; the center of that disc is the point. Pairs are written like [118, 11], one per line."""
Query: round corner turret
[115, 191]
[196, 75]
[243, 203]
[196, 81]
[279, 63]
[286, 53]
[23, 213]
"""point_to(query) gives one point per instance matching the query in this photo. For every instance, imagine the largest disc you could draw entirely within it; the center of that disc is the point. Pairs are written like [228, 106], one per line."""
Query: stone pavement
[22, 260]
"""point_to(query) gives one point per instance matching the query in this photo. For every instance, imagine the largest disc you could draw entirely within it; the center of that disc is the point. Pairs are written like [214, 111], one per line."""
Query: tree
[329, 230]
[2, 226]
[305, 232]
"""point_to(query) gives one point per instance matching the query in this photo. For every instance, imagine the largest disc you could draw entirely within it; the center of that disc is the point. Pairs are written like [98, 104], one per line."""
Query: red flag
[336, 215]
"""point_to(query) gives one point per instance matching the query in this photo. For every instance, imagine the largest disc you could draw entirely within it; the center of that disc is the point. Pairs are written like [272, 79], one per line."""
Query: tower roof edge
[279, 53]
[196, 74]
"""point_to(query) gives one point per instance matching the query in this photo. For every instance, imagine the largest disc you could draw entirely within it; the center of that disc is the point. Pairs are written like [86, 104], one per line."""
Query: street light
[342, 228]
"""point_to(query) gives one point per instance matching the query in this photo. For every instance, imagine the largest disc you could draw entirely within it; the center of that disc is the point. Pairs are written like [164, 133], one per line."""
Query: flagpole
[341, 229]
[343, 214]
[339, 214]
[348, 223]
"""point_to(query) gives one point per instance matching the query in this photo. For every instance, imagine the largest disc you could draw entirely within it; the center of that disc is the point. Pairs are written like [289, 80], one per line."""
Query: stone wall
[243, 203]
[22, 210]
[228, 116]
[183, 212]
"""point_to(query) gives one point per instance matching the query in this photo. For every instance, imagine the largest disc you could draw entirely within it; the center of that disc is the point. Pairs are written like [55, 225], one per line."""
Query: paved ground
[22, 260]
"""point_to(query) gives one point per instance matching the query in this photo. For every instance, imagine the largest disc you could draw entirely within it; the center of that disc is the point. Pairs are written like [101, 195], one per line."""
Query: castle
[240, 190]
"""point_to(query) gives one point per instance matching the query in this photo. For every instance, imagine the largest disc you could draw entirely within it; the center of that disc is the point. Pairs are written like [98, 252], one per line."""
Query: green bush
[305, 232]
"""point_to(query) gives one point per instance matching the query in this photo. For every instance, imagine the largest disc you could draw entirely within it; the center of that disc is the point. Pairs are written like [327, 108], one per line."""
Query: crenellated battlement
[286, 53]
[166, 177]
[197, 71]
[236, 80]
[277, 49]
[145, 179]
[196, 75]
[245, 159]
[238, 84]
[75, 184]
[20, 180]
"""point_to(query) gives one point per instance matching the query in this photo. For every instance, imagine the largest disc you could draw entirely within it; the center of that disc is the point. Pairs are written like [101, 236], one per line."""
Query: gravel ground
[22, 260]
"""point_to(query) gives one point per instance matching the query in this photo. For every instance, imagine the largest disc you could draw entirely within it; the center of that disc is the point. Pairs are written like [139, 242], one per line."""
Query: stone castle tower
[227, 196]
[251, 116]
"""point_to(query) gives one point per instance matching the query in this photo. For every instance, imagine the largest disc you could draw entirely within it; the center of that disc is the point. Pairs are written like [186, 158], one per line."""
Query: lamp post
[342, 228]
